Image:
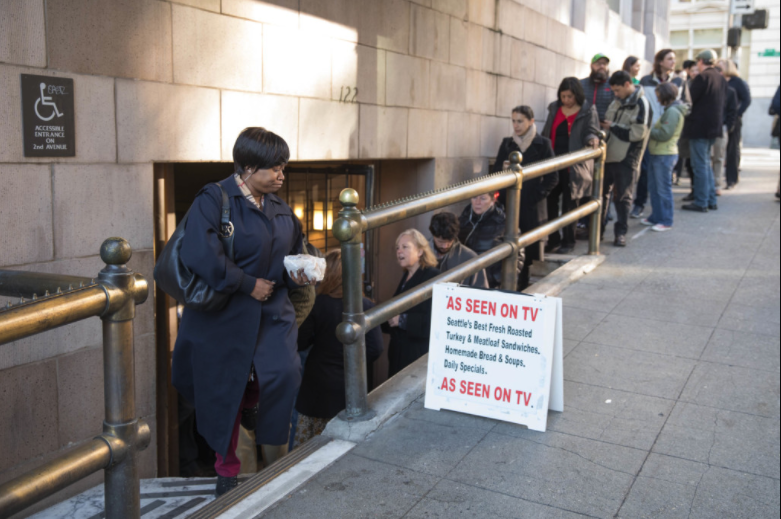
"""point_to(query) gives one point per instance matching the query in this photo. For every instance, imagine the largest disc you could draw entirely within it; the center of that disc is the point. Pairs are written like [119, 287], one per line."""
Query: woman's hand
[263, 289]
[299, 278]
[394, 322]
[594, 143]
[605, 125]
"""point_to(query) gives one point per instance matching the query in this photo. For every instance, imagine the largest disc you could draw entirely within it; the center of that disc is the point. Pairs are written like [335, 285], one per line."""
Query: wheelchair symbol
[46, 101]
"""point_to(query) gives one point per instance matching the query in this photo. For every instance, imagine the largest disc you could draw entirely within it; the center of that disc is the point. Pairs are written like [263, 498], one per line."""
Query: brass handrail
[48, 301]
[352, 223]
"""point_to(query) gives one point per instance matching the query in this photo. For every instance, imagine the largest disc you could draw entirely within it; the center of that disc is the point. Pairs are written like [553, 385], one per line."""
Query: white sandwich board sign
[495, 354]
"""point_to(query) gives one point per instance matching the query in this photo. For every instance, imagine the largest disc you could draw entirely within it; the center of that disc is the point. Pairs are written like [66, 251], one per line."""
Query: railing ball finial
[602, 136]
[115, 251]
[516, 158]
[349, 197]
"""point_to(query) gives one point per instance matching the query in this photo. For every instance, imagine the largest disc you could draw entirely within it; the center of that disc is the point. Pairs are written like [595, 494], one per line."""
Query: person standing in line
[663, 72]
[595, 87]
[702, 127]
[722, 142]
[684, 163]
[321, 396]
[482, 229]
[628, 126]
[632, 66]
[571, 125]
[730, 71]
[534, 195]
[663, 154]
[775, 110]
[410, 331]
[450, 252]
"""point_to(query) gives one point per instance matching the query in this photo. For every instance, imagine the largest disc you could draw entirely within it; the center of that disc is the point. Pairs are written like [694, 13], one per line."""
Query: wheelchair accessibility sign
[48, 116]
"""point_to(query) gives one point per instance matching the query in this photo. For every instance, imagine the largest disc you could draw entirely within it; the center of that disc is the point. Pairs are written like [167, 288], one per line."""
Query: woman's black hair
[525, 111]
[572, 84]
[620, 78]
[258, 148]
[444, 226]
[667, 92]
[629, 63]
[689, 63]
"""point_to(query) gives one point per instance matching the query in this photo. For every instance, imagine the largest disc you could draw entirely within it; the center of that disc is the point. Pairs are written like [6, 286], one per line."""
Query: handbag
[175, 279]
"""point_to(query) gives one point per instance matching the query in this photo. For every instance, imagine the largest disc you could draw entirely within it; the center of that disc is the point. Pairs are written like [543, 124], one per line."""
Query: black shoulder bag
[179, 282]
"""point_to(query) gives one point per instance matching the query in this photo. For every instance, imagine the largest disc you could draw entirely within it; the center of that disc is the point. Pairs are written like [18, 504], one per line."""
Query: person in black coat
[482, 228]
[410, 331]
[321, 396]
[226, 362]
[534, 194]
[731, 74]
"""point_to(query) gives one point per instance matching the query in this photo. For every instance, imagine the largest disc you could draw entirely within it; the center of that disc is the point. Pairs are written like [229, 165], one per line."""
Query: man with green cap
[595, 86]
[702, 127]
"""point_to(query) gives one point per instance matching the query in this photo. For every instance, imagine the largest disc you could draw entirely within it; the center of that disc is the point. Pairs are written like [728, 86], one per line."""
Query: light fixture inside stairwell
[318, 217]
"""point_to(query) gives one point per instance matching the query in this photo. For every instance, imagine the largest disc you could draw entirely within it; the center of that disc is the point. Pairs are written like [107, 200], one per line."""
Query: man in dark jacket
[629, 126]
[596, 87]
[449, 251]
[703, 126]
[731, 74]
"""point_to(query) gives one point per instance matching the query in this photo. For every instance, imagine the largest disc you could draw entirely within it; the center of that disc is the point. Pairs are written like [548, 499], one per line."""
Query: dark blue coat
[215, 350]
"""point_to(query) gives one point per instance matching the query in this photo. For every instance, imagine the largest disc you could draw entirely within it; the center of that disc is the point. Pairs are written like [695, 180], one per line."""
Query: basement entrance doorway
[310, 189]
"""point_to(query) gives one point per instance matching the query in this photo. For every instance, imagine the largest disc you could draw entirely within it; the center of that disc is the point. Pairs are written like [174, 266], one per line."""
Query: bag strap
[226, 226]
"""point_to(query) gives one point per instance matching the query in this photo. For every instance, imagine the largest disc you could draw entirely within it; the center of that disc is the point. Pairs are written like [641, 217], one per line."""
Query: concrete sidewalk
[671, 394]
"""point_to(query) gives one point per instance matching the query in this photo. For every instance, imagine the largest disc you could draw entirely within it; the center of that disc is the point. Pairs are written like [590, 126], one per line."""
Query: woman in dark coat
[410, 331]
[322, 389]
[732, 166]
[534, 208]
[482, 228]
[572, 124]
[225, 362]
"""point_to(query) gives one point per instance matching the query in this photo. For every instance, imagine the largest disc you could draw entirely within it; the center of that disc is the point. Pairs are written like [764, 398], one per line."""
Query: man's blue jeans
[704, 186]
[660, 188]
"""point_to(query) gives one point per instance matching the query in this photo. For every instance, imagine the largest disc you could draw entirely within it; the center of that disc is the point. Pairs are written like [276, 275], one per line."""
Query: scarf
[246, 193]
[525, 140]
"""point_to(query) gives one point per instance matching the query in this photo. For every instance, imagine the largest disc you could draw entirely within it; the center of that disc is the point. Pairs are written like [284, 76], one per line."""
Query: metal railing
[352, 223]
[48, 301]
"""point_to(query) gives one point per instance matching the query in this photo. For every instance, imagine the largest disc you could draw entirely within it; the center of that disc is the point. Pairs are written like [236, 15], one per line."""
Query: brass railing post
[348, 230]
[511, 231]
[122, 488]
[595, 235]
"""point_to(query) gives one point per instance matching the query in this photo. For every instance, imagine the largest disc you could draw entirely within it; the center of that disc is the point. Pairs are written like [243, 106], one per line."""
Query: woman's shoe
[647, 222]
[225, 484]
[661, 228]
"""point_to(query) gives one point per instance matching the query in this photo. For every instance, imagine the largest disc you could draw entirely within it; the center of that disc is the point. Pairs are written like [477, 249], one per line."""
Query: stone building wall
[175, 81]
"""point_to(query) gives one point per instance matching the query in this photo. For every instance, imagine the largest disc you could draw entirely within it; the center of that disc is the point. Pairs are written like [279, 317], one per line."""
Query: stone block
[424, 3]
[474, 57]
[509, 95]
[510, 19]
[491, 41]
[296, 63]
[26, 212]
[547, 73]
[23, 27]
[535, 96]
[407, 81]
[459, 42]
[523, 60]
[384, 24]
[218, 51]
[206, 5]
[383, 132]
[339, 19]
[536, 27]
[480, 92]
[556, 37]
[429, 34]
[448, 87]
[184, 120]
[125, 208]
[28, 412]
[482, 12]
[427, 134]
[278, 114]
[80, 389]
[95, 127]
[143, 262]
[327, 130]
[274, 12]
[503, 51]
[493, 131]
[122, 38]
[463, 139]
[357, 66]
[455, 8]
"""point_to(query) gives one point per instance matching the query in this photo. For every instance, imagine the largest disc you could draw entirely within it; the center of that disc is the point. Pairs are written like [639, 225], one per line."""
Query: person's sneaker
[225, 484]
[713, 207]
[637, 212]
[661, 228]
[647, 222]
[694, 207]
[620, 241]
[249, 418]
[718, 192]
[689, 198]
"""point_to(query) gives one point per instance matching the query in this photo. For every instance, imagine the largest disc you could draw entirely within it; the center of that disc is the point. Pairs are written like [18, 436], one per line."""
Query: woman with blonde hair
[732, 75]
[321, 396]
[410, 331]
